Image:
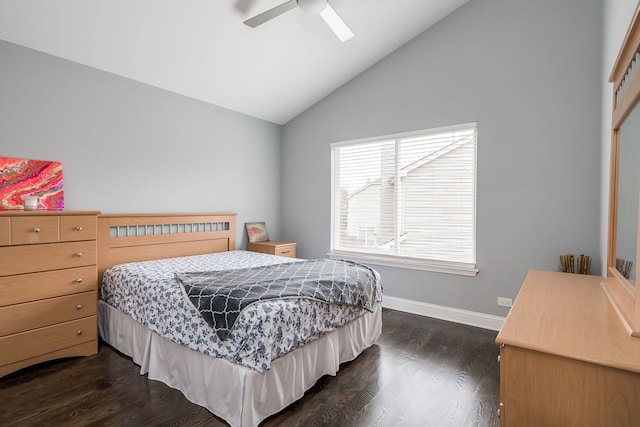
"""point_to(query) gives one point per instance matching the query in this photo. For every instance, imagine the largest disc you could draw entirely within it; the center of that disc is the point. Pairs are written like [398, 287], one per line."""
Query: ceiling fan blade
[271, 13]
[339, 27]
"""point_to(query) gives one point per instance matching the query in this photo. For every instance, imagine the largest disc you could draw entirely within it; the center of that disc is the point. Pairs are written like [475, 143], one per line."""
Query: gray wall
[529, 73]
[127, 147]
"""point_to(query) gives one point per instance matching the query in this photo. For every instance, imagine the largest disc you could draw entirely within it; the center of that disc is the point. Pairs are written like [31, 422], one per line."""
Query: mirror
[628, 191]
[624, 238]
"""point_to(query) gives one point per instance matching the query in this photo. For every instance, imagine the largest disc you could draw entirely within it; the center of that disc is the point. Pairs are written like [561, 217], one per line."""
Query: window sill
[410, 263]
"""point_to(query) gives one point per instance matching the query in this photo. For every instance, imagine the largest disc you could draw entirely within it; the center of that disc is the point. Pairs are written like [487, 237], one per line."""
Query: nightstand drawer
[78, 227]
[288, 251]
[35, 286]
[31, 315]
[40, 341]
[31, 259]
[274, 247]
[31, 230]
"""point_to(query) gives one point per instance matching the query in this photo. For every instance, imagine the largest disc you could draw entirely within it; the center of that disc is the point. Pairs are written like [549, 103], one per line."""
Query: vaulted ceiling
[202, 49]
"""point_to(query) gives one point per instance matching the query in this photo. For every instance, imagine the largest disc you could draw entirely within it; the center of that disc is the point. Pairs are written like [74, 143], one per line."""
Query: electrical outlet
[505, 302]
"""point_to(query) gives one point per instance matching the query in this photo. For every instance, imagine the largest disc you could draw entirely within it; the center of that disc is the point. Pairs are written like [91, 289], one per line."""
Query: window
[407, 200]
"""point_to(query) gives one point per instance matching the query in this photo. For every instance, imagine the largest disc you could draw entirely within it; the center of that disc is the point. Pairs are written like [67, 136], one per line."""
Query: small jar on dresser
[48, 286]
[274, 247]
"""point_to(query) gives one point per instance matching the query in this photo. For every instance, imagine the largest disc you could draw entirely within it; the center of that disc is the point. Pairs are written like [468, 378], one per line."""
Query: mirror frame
[624, 297]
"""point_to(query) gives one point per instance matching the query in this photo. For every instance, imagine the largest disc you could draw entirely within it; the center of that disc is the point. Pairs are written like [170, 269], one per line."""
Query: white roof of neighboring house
[421, 162]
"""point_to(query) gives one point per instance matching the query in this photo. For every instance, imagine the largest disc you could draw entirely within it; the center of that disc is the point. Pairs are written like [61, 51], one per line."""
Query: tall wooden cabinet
[48, 286]
[565, 359]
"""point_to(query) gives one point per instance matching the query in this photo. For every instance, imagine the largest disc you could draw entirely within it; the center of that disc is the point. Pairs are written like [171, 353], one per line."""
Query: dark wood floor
[421, 372]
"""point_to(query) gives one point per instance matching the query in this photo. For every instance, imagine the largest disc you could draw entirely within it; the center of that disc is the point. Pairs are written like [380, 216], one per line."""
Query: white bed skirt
[239, 395]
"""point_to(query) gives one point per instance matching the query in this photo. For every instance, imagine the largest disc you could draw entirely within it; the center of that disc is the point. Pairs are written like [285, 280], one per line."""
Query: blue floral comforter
[149, 293]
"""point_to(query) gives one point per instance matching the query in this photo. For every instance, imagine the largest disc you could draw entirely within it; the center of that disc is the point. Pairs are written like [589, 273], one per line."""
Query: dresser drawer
[54, 256]
[78, 227]
[25, 345]
[30, 230]
[31, 315]
[35, 286]
[5, 231]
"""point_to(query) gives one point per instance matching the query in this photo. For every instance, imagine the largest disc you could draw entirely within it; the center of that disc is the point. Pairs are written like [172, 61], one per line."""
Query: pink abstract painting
[256, 231]
[26, 177]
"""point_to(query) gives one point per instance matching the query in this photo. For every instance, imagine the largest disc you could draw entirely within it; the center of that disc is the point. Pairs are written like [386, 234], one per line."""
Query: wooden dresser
[274, 247]
[565, 357]
[48, 286]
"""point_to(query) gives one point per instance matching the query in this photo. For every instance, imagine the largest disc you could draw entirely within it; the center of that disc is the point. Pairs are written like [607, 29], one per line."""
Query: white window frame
[466, 269]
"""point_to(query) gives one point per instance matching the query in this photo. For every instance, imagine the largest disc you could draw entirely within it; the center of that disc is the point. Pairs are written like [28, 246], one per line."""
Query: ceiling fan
[315, 7]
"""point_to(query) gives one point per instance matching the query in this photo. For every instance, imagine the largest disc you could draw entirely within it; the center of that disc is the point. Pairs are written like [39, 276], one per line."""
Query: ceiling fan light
[339, 27]
[314, 7]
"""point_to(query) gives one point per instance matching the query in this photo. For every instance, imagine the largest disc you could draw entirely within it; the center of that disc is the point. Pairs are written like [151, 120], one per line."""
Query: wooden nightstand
[274, 247]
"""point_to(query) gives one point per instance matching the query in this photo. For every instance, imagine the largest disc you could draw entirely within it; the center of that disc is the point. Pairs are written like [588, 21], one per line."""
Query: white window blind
[407, 199]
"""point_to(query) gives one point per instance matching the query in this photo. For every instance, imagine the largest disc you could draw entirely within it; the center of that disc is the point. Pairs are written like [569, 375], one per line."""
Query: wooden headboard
[142, 237]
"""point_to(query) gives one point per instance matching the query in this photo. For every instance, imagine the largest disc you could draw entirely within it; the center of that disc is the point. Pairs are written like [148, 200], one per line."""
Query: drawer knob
[498, 359]
[36, 230]
[79, 307]
[79, 280]
[79, 332]
[79, 228]
[79, 254]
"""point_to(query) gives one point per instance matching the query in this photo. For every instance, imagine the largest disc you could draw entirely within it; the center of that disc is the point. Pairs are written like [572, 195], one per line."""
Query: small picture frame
[256, 232]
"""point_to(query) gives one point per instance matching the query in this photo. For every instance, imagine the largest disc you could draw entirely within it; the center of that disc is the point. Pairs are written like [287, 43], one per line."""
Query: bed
[271, 355]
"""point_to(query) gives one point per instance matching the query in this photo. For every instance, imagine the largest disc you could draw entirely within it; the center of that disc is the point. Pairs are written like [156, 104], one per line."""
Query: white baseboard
[472, 318]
